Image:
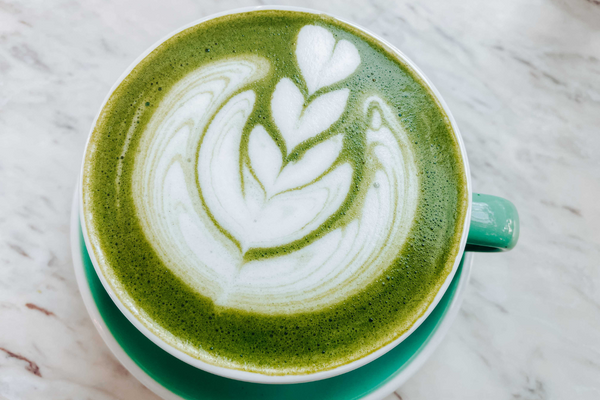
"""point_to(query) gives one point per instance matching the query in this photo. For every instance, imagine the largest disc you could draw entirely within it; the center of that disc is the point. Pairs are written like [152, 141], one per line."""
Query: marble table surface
[522, 78]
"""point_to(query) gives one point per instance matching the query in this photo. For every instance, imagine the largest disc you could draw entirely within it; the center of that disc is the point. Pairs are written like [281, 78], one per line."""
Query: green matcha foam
[284, 199]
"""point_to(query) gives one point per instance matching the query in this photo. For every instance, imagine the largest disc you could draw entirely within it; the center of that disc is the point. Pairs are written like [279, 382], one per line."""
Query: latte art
[210, 202]
[274, 192]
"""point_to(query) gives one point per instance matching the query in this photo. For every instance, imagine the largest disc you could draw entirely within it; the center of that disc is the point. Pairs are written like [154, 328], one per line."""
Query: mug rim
[257, 377]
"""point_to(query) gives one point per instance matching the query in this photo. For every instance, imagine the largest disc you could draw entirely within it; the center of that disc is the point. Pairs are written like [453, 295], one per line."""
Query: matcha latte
[274, 192]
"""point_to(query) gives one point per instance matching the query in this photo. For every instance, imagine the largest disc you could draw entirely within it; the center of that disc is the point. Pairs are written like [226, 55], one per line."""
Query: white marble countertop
[522, 78]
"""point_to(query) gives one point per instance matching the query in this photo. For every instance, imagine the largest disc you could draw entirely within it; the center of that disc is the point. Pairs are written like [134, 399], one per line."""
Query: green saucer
[374, 380]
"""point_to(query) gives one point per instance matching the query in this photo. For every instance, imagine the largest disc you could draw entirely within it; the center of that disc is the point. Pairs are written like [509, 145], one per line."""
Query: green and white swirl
[209, 189]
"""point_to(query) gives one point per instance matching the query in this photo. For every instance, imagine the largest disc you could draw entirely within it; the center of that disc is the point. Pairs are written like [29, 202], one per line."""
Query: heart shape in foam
[322, 61]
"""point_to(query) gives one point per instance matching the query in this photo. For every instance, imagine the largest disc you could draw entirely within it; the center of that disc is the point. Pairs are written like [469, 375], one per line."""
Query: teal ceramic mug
[491, 224]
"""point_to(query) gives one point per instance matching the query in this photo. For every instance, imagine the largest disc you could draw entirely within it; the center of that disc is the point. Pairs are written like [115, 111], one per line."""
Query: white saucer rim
[98, 321]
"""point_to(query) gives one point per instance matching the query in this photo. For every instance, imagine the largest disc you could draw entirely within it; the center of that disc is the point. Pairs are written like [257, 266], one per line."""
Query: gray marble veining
[522, 78]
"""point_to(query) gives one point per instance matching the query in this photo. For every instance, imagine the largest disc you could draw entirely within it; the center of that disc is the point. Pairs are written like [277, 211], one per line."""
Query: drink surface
[275, 192]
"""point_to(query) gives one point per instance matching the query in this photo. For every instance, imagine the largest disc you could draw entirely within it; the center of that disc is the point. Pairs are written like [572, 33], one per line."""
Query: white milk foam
[202, 210]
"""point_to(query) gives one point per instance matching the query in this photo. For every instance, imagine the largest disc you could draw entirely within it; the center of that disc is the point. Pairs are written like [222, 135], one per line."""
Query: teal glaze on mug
[494, 224]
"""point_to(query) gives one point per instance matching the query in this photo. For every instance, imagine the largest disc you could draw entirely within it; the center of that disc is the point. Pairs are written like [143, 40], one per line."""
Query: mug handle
[494, 224]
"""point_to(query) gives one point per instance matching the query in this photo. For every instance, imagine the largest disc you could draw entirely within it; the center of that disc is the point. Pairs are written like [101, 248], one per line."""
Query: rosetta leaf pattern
[322, 62]
[264, 220]
[284, 200]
